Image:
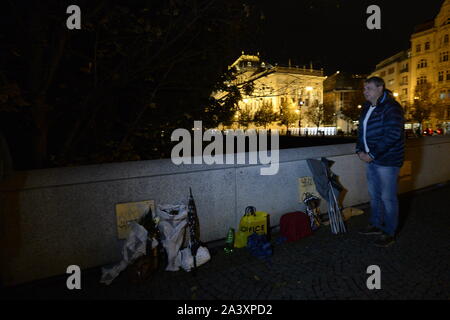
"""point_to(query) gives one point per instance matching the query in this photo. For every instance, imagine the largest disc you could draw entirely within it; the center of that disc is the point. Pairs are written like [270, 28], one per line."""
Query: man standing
[381, 145]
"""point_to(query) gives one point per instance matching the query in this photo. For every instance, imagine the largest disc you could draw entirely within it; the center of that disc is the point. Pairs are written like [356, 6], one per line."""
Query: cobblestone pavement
[322, 266]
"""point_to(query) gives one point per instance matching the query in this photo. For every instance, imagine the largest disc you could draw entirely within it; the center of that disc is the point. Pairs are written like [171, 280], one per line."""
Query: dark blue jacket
[385, 134]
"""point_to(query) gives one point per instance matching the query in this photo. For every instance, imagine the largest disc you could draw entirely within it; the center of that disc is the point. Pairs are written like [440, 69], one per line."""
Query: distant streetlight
[395, 94]
[309, 88]
[359, 106]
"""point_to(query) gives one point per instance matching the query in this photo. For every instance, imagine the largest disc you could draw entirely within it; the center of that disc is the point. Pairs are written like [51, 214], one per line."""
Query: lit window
[422, 64]
[404, 68]
[404, 80]
[422, 80]
[442, 95]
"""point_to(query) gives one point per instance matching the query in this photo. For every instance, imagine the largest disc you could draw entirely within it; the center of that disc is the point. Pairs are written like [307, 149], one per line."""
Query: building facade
[343, 92]
[289, 87]
[395, 72]
[426, 62]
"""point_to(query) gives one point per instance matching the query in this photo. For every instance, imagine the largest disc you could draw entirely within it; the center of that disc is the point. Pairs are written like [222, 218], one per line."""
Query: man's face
[372, 92]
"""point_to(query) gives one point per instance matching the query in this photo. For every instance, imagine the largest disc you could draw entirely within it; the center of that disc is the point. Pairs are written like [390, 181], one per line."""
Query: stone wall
[54, 218]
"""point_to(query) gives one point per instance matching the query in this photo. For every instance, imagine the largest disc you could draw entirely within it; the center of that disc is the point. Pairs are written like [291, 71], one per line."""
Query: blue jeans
[382, 184]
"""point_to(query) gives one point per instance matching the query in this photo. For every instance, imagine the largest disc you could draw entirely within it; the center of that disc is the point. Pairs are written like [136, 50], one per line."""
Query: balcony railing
[299, 70]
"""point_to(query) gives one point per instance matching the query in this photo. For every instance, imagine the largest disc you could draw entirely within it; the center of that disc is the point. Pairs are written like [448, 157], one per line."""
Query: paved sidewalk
[323, 266]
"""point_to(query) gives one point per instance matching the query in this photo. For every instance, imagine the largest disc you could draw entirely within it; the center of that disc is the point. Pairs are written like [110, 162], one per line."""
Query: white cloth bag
[186, 261]
[172, 228]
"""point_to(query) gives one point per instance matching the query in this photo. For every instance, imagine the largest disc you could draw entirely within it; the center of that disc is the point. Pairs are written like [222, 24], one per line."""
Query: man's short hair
[377, 81]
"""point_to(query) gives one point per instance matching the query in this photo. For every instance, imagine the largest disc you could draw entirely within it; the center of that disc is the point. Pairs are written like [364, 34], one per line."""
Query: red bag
[295, 225]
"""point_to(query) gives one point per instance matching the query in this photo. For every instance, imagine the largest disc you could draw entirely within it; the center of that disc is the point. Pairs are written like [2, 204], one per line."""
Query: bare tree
[423, 105]
[351, 111]
[265, 115]
[319, 113]
[288, 115]
[245, 116]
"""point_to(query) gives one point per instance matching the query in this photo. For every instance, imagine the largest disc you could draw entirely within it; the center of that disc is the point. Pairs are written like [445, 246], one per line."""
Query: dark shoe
[370, 230]
[385, 241]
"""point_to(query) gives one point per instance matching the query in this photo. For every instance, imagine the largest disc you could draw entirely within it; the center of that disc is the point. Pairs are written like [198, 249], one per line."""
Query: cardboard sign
[306, 184]
[131, 211]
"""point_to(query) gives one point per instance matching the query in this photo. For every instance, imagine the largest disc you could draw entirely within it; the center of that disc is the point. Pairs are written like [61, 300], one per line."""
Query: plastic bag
[252, 222]
[172, 225]
[134, 247]
[186, 261]
[259, 246]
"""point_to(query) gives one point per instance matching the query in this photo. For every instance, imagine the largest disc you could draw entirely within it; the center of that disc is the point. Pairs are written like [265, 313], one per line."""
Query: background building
[283, 88]
[425, 63]
[344, 92]
[395, 71]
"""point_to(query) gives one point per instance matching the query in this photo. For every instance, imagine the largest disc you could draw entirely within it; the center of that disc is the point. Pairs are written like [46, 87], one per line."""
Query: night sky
[333, 33]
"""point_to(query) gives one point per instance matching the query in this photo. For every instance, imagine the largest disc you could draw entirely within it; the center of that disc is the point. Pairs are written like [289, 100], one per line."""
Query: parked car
[427, 132]
[431, 132]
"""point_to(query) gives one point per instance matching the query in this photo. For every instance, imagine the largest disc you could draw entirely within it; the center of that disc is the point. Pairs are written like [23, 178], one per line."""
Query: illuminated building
[290, 87]
[427, 61]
